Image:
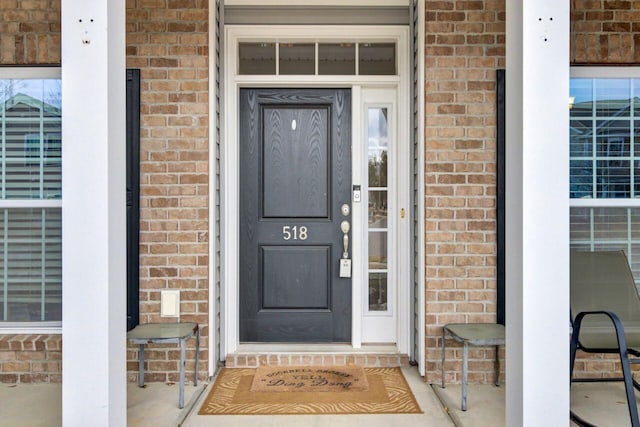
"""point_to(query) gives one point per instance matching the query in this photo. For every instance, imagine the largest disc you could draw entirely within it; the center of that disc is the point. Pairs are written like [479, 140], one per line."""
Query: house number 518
[295, 232]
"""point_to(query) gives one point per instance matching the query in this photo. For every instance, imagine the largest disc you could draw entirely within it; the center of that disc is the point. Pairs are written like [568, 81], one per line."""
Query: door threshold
[337, 348]
[278, 354]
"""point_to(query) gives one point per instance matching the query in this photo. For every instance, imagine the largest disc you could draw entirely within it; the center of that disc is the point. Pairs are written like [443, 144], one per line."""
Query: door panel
[296, 277]
[295, 173]
[287, 161]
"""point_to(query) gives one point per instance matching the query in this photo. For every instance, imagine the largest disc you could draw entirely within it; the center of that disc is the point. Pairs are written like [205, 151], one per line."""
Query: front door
[295, 194]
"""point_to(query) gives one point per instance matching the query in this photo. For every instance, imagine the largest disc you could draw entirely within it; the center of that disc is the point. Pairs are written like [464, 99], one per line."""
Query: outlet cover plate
[170, 303]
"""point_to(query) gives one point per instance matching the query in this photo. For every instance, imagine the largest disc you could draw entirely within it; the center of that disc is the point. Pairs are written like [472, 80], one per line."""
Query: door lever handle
[344, 226]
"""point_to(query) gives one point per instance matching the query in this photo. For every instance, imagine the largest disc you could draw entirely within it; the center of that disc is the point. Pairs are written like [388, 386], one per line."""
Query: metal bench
[166, 333]
[475, 334]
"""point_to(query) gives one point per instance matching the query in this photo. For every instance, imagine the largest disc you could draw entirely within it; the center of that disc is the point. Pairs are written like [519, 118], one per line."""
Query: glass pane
[608, 229]
[610, 224]
[582, 91]
[257, 58]
[636, 96]
[580, 247]
[613, 179]
[635, 224]
[580, 220]
[377, 168]
[581, 179]
[297, 58]
[32, 140]
[581, 138]
[634, 262]
[613, 97]
[377, 59]
[610, 247]
[378, 128]
[636, 175]
[337, 59]
[377, 209]
[378, 250]
[636, 137]
[377, 291]
[613, 138]
[32, 262]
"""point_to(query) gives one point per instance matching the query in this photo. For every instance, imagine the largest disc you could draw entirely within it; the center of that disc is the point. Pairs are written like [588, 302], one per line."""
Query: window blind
[30, 202]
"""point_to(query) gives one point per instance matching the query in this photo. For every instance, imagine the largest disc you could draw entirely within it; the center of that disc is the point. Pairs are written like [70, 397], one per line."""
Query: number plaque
[294, 232]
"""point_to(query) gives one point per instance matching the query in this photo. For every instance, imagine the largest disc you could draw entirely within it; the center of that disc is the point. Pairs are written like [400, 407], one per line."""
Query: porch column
[93, 213]
[537, 212]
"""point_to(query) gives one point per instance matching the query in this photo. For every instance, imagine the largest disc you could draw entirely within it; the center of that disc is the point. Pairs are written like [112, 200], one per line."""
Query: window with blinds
[30, 200]
[605, 166]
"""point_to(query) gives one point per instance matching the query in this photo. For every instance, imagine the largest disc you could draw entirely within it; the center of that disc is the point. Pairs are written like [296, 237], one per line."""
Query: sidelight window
[378, 207]
[30, 199]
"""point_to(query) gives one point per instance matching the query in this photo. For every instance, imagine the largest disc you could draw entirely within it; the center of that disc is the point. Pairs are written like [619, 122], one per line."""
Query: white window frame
[45, 327]
[605, 73]
[381, 326]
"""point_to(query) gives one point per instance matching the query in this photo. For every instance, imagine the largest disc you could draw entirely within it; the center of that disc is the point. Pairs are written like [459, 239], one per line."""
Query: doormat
[387, 393]
[314, 379]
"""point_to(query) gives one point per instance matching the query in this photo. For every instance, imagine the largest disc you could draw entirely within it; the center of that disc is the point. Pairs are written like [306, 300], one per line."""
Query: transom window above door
[322, 59]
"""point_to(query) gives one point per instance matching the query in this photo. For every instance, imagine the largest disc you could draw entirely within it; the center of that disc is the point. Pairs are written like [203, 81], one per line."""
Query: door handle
[344, 226]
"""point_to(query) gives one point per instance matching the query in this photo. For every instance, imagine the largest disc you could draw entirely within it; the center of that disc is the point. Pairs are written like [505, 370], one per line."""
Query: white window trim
[31, 328]
[588, 72]
[233, 35]
[25, 73]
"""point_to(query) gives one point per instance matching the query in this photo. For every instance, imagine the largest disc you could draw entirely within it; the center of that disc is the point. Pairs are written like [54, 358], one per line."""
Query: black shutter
[500, 170]
[133, 197]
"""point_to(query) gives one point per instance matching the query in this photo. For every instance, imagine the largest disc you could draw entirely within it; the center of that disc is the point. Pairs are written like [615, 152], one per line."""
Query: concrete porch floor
[156, 405]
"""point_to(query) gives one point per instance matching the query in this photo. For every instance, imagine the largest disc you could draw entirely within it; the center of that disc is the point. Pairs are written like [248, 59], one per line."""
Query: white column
[537, 213]
[93, 213]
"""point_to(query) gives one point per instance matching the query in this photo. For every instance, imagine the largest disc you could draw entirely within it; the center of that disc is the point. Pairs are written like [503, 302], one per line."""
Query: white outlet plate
[170, 303]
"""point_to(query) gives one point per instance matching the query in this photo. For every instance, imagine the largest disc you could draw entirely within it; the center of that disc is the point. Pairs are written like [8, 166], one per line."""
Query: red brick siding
[30, 359]
[168, 41]
[605, 32]
[29, 32]
[465, 44]
[30, 35]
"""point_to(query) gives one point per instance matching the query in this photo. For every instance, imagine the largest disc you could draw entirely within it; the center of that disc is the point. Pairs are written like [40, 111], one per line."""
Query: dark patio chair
[605, 313]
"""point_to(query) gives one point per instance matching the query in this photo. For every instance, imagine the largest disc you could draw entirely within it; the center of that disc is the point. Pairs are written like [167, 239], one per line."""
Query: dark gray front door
[295, 174]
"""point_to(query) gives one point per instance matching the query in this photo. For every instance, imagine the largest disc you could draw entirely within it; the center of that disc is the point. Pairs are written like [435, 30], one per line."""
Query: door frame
[229, 175]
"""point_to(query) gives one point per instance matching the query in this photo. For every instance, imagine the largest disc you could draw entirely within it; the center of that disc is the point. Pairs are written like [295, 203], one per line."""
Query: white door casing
[391, 91]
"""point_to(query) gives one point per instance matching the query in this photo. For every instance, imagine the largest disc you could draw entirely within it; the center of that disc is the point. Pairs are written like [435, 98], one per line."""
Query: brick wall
[604, 32]
[29, 32]
[30, 359]
[30, 35]
[168, 41]
[464, 47]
